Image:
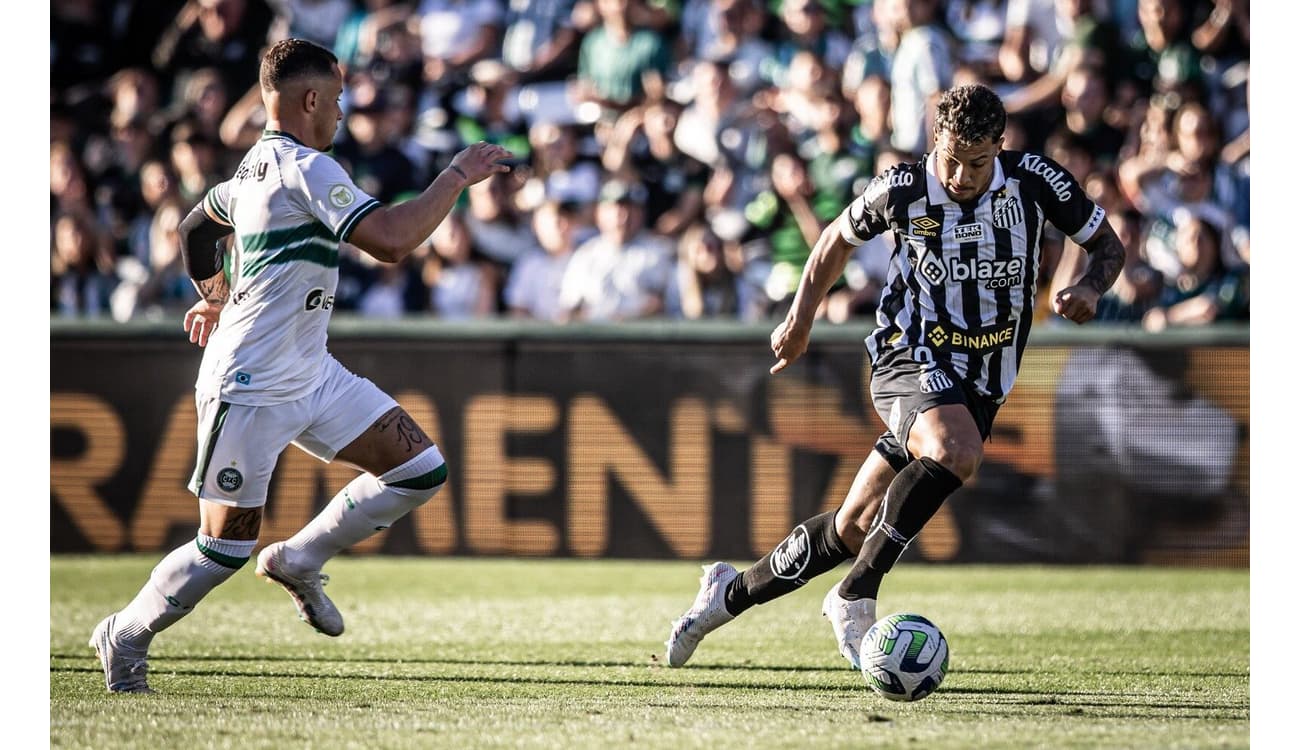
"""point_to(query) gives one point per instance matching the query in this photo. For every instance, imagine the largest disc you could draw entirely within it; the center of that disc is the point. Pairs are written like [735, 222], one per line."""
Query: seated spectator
[157, 187]
[1084, 97]
[728, 30]
[455, 34]
[978, 27]
[622, 273]
[791, 219]
[159, 287]
[461, 285]
[493, 222]
[922, 69]
[134, 93]
[558, 169]
[705, 286]
[619, 63]
[1158, 184]
[489, 111]
[533, 289]
[227, 35]
[82, 272]
[391, 292]
[194, 160]
[541, 40]
[1205, 289]
[69, 191]
[367, 151]
[384, 44]
[808, 83]
[806, 28]
[870, 133]
[640, 147]
[727, 133]
[316, 21]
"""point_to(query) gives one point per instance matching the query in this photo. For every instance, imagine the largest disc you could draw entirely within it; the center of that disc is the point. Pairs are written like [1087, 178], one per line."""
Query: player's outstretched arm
[1105, 260]
[392, 232]
[824, 266]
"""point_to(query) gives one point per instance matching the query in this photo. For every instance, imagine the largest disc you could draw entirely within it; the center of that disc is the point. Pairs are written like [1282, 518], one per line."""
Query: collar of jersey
[938, 195]
[280, 134]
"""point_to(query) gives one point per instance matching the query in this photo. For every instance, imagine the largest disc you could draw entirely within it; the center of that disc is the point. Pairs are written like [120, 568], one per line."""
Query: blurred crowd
[679, 157]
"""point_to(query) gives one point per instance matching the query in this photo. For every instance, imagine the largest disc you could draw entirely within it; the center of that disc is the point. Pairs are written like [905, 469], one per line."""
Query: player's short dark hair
[970, 114]
[294, 58]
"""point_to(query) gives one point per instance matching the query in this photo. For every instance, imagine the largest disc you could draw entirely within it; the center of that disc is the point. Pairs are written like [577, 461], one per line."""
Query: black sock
[911, 501]
[813, 548]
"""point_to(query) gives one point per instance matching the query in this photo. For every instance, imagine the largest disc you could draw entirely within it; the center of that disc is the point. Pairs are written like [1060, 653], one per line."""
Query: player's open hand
[1077, 303]
[481, 160]
[789, 341]
[201, 321]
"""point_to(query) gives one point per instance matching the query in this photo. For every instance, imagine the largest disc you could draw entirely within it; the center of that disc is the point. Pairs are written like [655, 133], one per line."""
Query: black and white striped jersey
[961, 285]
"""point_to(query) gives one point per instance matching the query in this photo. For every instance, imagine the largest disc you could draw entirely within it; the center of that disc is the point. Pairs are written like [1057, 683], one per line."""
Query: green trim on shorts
[220, 558]
[208, 448]
[425, 481]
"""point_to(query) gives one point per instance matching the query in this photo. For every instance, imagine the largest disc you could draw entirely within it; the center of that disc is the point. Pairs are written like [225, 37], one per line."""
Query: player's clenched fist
[479, 161]
[1077, 303]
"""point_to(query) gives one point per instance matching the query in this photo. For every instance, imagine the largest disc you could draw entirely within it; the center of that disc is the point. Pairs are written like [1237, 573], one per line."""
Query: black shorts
[902, 388]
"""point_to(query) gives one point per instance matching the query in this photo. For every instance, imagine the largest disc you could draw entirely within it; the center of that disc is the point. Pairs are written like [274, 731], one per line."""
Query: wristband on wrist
[459, 171]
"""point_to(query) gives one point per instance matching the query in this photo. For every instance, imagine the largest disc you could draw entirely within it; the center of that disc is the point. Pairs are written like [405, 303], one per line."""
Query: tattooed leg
[403, 470]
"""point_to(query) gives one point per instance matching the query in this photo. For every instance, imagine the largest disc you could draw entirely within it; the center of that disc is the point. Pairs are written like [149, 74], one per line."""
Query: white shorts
[239, 445]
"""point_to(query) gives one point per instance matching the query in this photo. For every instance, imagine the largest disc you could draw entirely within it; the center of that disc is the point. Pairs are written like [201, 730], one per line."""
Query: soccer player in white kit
[267, 379]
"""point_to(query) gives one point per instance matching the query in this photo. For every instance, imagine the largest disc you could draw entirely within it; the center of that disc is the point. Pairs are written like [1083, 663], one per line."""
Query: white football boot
[850, 621]
[126, 670]
[304, 586]
[707, 614]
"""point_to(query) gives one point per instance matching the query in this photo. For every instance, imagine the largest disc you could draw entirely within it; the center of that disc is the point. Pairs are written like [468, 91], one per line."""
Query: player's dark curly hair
[292, 58]
[970, 114]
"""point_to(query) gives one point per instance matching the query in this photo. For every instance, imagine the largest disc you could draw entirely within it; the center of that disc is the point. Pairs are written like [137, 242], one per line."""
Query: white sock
[366, 505]
[177, 584]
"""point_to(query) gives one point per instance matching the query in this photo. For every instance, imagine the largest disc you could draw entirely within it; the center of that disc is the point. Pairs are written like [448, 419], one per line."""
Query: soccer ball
[904, 657]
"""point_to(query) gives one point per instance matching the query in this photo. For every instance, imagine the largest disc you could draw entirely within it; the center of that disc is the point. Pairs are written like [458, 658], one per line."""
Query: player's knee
[961, 457]
[419, 479]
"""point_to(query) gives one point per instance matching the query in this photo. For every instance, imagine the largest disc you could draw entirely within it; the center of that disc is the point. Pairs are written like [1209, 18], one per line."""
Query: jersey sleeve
[217, 202]
[330, 195]
[866, 216]
[1062, 198]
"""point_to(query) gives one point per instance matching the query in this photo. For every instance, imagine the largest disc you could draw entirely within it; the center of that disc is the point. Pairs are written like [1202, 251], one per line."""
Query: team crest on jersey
[341, 196]
[1007, 211]
[933, 381]
[925, 226]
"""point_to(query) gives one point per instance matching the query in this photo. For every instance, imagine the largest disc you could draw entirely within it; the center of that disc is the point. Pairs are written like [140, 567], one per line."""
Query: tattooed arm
[1105, 260]
[201, 234]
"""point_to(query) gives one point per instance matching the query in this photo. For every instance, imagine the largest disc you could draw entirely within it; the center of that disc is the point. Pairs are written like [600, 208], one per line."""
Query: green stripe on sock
[424, 481]
[219, 558]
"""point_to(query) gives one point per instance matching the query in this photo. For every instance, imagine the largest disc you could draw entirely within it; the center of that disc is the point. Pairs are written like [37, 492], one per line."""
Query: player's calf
[812, 548]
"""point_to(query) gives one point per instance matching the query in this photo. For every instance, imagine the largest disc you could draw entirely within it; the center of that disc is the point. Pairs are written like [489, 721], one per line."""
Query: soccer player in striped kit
[951, 327]
[267, 379]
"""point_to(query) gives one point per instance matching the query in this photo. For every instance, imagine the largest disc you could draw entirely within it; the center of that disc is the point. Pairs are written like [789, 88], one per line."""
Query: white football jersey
[290, 205]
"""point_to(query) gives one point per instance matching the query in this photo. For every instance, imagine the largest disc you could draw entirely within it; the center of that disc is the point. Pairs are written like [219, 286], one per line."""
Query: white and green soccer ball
[904, 657]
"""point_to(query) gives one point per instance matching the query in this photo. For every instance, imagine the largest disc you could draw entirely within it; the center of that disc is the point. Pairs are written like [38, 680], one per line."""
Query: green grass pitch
[465, 653]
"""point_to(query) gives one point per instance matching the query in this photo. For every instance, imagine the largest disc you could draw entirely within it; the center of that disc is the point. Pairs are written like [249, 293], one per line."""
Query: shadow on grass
[581, 663]
[512, 679]
[577, 663]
